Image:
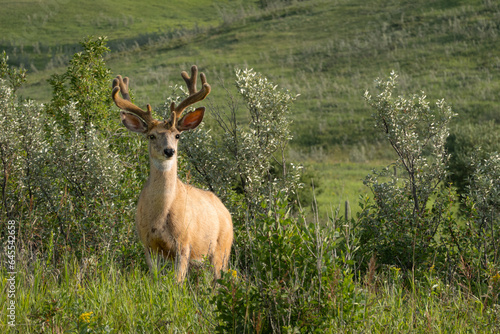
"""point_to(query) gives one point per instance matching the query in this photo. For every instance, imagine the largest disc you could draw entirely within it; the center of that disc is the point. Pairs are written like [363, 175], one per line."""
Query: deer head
[163, 135]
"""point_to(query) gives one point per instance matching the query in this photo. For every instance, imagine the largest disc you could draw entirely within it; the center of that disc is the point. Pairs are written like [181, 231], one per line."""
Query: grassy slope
[56, 23]
[328, 51]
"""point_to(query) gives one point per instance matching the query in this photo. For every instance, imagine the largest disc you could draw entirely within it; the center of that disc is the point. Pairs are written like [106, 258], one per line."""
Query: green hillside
[55, 23]
[329, 52]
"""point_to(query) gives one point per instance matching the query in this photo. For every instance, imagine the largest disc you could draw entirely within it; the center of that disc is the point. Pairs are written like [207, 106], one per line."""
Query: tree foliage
[412, 219]
[467, 145]
[86, 83]
[60, 176]
[240, 159]
[399, 225]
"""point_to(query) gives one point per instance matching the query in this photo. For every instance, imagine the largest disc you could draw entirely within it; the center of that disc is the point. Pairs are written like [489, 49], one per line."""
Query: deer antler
[121, 85]
[194, 96]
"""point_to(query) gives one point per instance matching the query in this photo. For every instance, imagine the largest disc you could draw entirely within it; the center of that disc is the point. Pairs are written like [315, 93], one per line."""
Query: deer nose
[169, 152]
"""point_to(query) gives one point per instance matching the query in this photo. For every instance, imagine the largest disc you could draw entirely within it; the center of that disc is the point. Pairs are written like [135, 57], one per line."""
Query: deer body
[169, 224]
[173, 219]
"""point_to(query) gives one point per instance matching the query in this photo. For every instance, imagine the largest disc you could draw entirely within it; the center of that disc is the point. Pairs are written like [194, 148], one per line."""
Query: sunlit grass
[98, 295]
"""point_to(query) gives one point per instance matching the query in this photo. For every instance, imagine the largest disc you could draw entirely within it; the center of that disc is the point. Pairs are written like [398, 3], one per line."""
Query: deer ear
[133, 122]
[191, 120]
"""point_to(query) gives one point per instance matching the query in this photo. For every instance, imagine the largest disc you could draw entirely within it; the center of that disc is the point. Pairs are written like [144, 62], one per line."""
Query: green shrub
[298, 277]
[466, 145]
[61, 173]
[22, 145]
[400, 223]
[411, 220]
[479, 245]
[15, 77]
[86, 83]
[236, 160]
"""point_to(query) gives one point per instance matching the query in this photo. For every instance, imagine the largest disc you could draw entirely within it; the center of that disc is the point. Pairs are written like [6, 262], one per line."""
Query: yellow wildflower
[496, 279]
[395, 269]
[234, 273]
[85, 317]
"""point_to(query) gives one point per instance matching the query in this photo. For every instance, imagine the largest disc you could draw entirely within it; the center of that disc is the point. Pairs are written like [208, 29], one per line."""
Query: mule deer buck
[174, 219]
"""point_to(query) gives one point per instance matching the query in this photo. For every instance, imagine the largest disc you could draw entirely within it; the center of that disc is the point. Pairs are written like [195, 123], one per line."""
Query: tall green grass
[98, 295]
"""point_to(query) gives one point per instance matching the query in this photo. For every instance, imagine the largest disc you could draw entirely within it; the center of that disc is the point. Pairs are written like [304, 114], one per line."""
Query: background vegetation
[327, 51]
[422, 253]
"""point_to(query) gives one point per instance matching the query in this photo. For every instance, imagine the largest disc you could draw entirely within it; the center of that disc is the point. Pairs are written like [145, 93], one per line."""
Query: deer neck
[163, 179]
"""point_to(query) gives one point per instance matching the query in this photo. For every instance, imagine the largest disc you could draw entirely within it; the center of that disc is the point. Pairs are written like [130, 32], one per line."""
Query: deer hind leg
[149, 262]
[219, 261]
[216, 266]
[213, 251]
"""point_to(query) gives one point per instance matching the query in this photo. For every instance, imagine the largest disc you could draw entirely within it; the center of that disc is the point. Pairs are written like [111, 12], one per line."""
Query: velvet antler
[121, 85]
[194, 95]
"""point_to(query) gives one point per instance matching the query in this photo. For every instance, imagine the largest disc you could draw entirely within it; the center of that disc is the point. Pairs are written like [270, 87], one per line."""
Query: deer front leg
[182, 260]
[147, 253]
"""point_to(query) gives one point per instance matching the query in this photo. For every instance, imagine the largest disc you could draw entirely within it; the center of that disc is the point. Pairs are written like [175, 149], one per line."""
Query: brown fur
[174, 219]
[179, 221]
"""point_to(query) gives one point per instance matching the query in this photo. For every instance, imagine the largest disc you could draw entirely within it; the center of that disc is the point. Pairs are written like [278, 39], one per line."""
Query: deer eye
[152, 137]
[177, 136]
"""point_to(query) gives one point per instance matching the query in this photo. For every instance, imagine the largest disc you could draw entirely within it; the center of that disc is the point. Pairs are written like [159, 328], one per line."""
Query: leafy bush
[298, 277]
[467, 145]
[60, 177]
[400, 225]
[479, 236]
[15, 77]
[86, 83]
[22, 149]
[412, 222]
[237, 161]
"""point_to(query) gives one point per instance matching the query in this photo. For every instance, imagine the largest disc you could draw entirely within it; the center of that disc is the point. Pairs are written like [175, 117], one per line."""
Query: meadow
[79, 265]
[98, 296]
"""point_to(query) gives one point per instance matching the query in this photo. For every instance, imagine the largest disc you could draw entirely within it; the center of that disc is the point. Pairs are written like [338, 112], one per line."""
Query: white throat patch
[164, 165]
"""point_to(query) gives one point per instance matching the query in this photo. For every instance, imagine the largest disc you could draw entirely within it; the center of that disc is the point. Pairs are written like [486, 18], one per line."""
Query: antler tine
[194, 96]
[191, 82]
[121, 85]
